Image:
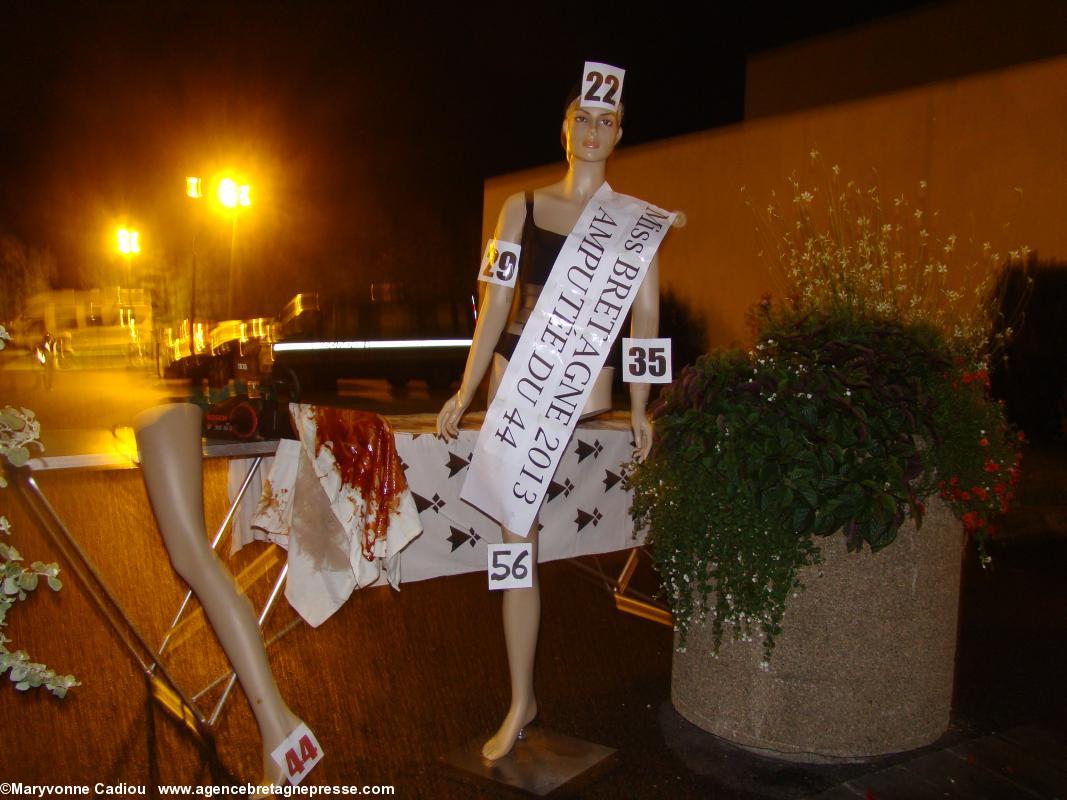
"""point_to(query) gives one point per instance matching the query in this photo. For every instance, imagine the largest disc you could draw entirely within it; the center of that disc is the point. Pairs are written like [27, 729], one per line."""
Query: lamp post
[192, 191]
[233, 196]
[129, 244]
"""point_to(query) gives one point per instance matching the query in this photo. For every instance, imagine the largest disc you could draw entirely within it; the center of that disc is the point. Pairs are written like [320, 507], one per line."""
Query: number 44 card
[646, 360]
[298, 754]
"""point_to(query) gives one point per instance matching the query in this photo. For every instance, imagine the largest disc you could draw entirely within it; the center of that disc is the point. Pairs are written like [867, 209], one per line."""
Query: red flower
[980, 493]
[999, 488]
[965, 497]
[953, 480]
[991, 465]
[984, 442]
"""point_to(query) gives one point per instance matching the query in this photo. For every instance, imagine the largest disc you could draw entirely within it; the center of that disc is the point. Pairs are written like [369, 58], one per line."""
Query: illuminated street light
[129, 244]
[233, 196]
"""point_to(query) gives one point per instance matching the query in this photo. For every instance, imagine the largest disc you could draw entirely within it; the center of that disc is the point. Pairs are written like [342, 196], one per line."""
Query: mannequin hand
[450, 415]
[642, 429]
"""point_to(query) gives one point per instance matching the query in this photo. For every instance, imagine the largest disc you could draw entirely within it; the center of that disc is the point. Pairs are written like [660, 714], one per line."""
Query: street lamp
[233, 196]
[129, 244]
[193, 191]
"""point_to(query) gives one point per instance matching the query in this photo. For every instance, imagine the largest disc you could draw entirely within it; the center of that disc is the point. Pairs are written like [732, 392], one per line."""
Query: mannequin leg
[522, 620]
[168, 438]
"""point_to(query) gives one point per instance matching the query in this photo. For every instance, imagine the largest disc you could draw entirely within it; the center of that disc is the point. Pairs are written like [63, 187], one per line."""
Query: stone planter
[865, 663]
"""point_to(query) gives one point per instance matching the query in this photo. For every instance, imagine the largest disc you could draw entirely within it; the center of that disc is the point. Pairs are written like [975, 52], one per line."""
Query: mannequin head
[590, 134]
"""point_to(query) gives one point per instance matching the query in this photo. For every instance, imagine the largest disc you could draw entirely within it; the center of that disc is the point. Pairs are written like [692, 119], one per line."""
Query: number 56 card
[509, 566]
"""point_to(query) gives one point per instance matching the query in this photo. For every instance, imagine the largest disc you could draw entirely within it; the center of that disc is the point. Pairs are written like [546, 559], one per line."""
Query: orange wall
[993, 149]
[938, 41]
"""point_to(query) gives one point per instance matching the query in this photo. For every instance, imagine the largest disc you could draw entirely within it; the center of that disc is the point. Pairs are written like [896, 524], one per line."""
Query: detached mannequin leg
[168, 438]
[522, 620]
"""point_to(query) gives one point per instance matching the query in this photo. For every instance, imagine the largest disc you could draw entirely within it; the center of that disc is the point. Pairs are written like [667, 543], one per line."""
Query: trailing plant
[856, 404]
[19, 432]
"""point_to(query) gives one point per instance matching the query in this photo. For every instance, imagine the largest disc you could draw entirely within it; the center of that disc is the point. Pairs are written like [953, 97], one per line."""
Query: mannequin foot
[509, 731]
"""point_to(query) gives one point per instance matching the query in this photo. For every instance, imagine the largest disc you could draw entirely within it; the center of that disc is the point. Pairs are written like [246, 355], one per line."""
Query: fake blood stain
[363, 447]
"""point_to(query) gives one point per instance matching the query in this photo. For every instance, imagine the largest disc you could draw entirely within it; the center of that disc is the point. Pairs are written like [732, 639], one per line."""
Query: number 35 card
[646, 360]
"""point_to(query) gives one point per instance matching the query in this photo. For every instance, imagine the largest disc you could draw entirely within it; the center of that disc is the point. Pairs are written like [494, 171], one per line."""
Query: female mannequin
[589, 136]
[168, 438]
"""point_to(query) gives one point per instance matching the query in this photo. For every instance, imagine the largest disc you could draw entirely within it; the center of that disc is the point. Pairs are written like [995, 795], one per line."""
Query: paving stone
[948, 773]
[893, 783]
[1042, 740]
[841, 792]
[1031, 771]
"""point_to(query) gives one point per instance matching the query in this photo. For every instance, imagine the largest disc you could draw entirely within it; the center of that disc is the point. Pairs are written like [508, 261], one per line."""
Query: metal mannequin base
[541, 763]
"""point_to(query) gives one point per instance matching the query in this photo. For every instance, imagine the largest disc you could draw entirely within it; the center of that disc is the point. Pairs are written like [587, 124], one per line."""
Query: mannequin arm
[644, 324]
[492, 317]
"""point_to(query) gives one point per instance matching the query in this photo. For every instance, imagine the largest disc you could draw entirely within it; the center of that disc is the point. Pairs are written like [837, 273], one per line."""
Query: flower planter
[865, 663]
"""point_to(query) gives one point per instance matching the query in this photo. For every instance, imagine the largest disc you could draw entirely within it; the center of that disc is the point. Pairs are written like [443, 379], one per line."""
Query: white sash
[563, 347]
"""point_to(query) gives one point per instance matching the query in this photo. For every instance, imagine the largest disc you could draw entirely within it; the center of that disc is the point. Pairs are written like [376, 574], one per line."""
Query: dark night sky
[366, 130]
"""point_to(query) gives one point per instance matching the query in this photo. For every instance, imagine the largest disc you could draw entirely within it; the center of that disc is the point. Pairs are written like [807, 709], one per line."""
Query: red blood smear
[362, 444]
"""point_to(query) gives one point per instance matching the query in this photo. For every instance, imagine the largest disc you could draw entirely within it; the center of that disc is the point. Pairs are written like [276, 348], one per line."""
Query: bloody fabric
[364, 448]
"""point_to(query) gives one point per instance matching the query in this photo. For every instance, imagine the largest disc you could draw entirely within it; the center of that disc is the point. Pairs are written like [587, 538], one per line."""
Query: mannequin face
[590, 134]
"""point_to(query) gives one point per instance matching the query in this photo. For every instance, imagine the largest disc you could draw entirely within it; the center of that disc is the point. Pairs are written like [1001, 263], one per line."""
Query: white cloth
[586, 512]
[586, 509]
[309, 509]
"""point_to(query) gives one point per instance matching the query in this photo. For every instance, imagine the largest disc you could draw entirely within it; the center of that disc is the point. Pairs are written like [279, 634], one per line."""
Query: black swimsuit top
[540, 249]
